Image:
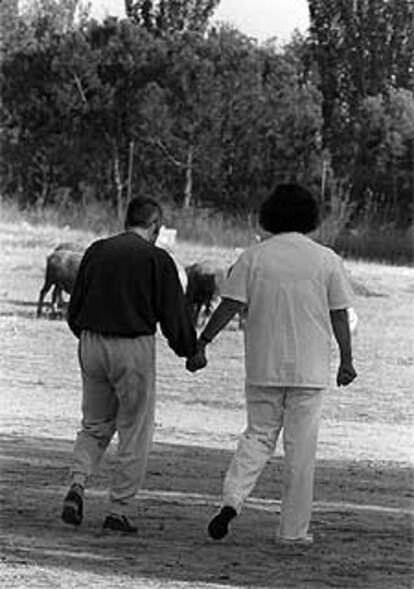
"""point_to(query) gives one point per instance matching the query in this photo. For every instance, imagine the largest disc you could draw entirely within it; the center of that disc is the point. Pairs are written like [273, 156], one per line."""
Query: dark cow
[205, 281]
[61, 269]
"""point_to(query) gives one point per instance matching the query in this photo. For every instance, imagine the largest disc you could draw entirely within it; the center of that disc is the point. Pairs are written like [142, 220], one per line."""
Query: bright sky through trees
[257, 18]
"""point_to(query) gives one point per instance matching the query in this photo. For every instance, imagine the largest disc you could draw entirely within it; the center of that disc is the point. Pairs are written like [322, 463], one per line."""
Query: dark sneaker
[119, 523]
[72, 512]
[219, 525]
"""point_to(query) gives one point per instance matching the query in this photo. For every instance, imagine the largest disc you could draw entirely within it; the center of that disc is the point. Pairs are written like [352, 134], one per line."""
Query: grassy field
[366, 241]
[363, 492]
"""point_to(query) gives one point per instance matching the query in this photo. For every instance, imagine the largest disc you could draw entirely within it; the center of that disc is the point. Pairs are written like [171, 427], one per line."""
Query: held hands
[199, 360]
[346, 374]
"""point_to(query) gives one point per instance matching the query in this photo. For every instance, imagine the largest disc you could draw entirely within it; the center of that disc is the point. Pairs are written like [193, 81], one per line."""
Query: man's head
[144, 214]
[289, 207]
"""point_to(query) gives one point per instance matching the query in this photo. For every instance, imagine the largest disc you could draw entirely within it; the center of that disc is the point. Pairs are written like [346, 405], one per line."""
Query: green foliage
[158, 104]
[362, 48]
[386, 155]
[364, 53]
[171, 16]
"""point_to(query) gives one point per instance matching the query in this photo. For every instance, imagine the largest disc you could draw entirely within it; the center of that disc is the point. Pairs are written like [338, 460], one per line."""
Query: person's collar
[141, 232]
[289, 234]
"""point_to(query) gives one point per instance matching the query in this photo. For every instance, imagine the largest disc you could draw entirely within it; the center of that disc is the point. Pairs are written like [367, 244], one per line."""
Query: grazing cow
[203, 290]
[61, 269]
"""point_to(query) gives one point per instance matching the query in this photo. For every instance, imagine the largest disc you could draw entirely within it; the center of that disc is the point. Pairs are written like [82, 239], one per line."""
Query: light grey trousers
[269, 409]
[118, 385]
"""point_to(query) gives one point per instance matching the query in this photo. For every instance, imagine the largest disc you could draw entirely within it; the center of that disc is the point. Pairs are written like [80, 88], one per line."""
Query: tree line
[163, 103]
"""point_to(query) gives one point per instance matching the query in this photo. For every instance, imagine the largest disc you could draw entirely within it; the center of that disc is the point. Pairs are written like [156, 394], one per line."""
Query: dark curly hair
[289, 207]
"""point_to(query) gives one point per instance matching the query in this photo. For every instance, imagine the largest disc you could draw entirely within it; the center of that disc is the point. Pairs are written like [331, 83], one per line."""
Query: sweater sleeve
[173, 311]
[77, 297]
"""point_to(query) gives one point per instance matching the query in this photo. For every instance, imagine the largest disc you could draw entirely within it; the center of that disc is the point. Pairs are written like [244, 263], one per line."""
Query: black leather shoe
[72, 512]
[219, 525]
[119, 523]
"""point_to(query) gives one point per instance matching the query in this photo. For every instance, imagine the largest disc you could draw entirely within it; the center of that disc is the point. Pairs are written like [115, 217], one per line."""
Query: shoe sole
[119, 530]
[116, 531]
[70, 515]
[295, 543]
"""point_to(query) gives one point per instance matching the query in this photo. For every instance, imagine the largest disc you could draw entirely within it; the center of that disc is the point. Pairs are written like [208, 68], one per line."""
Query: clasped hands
[199, 360]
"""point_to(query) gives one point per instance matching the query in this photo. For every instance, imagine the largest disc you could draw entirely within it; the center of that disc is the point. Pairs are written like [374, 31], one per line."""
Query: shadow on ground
[365, 546]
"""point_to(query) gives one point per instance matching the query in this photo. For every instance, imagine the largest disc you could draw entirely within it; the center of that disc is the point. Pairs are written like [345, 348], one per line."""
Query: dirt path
[357, 545]
[363, 492]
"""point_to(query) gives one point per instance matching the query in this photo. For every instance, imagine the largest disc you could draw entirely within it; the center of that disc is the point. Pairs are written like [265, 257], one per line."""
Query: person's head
[144, 214]
[289, 207]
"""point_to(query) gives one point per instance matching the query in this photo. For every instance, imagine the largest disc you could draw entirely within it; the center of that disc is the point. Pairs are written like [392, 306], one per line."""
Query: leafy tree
[385, 163]
[169, 16]
[235, 118]
[37, 97]
[208, 119]
[364, 50]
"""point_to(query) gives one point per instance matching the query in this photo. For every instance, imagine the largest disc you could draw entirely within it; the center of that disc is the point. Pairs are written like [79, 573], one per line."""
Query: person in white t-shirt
[297, 294]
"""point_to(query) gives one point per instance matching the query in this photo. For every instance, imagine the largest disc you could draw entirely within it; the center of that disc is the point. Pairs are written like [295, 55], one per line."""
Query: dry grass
[214, 229]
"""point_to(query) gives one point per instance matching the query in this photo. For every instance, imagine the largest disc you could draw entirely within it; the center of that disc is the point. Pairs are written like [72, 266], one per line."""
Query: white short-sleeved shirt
[289, 283]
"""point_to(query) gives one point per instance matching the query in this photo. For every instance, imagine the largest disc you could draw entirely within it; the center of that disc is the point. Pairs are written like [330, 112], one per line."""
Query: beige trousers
[118, 383]
[269, 409]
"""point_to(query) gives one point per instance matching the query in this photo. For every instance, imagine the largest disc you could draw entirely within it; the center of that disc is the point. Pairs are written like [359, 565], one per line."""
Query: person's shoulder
[162, 255]
[331, 254]
[330, 257]
[255, 249]
[243, 257]
[94, 246]
[322, 248]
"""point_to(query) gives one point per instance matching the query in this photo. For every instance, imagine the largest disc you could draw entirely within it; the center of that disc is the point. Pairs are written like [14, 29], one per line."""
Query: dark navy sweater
[124, 287]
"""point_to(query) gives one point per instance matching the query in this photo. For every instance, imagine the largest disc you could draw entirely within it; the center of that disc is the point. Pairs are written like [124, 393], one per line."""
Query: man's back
[126, 285]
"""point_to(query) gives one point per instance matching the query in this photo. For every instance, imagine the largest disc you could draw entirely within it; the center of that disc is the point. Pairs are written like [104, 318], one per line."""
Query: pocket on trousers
[88, 358]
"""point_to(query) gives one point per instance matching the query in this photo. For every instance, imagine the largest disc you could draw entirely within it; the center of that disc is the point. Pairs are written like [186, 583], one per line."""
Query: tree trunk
[130, 170]
[118, 183]
[188, 191]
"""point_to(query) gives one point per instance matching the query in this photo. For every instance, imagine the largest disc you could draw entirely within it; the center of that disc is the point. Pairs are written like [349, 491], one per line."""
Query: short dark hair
[141, 212]
[289, 207]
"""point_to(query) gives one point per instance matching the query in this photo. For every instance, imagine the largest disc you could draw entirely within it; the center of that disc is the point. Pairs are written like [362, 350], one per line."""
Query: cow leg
[43, 292]
[60, 301]
[56, 299]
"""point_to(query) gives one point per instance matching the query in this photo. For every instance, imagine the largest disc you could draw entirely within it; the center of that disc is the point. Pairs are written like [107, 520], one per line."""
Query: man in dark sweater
[124, 288]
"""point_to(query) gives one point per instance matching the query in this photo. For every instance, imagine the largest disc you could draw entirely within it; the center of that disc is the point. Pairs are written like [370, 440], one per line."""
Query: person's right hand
[346, 374]
[199, 360]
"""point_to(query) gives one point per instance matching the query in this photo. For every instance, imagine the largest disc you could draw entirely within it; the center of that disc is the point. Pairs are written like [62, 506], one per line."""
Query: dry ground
[363, 494]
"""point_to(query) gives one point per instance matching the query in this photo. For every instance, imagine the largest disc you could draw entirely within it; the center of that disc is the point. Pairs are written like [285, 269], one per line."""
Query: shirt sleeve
[236, 285]
[173, 311]
[340, 293]
[77, 297]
